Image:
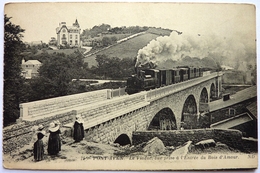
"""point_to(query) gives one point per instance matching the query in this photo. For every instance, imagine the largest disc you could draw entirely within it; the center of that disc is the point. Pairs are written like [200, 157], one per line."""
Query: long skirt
[54, 143]
[78, 132]
[38, 150]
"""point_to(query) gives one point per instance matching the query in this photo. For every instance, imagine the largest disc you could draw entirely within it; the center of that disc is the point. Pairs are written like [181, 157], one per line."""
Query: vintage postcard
[130, 86]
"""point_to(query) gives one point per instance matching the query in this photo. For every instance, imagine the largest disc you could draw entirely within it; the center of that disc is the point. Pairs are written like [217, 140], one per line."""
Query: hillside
[128, 48]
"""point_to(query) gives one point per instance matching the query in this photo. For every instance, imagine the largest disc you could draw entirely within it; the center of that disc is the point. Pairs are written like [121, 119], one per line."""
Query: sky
[41, 19]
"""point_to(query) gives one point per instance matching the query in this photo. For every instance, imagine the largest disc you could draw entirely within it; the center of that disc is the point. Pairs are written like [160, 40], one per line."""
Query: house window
[26, 66]
[76, 36]
[232, 111]
[70, 42]
[76, 42]
[70, 36]
[63, 39]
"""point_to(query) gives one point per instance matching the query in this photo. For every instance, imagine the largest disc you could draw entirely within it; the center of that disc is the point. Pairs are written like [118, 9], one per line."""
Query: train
[147, 79]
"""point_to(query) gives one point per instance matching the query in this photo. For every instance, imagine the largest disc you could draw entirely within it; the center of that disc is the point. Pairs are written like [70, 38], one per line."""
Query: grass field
[125, 49]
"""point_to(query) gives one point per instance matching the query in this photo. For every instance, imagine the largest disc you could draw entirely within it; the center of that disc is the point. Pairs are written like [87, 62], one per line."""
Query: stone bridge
[167, 108]
[113, 119]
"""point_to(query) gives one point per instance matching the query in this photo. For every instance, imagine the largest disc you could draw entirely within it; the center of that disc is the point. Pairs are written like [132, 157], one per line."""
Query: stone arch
[189, 113]
[203, 100]
[123, 140]
[163, 120]
[212, 91]
[204, 96]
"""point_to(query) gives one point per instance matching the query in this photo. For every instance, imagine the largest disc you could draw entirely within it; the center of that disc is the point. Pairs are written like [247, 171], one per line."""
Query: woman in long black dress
[78, 129]
[38, 147]
[54, 143]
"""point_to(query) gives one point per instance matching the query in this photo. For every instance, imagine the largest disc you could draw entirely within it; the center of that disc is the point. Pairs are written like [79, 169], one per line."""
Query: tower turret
[76, 23]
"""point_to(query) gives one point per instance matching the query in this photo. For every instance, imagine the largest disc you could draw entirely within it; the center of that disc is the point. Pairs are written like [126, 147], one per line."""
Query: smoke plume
[224, 51]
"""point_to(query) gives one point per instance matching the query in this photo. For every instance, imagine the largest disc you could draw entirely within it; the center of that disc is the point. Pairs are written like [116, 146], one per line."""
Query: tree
[13, 81]
[106, 41]
[55, 75]
[113, 39]
[114, 68]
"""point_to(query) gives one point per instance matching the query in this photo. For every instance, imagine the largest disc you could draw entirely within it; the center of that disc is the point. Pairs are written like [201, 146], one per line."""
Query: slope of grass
[125, 49]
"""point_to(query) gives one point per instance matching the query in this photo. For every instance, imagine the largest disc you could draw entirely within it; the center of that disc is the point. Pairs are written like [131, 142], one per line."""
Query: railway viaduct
[112, 120]
[177, 105]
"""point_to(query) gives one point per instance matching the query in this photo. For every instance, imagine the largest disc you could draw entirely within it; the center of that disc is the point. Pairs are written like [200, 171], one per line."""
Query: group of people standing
[54, 140]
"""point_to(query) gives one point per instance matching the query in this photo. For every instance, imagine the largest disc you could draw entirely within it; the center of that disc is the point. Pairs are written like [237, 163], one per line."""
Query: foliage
[35, 48]
[113, 68]
[55, 75]
[116, 30]
[130, 29]
[58, 70]
[79, 86]
[65, 46]
[106, 29]
[106, 85]
[106, 41]
[13, 81]
[113, 39]
[93, 32]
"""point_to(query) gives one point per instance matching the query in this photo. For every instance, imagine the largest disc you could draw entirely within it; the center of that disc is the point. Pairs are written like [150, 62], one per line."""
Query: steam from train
[226, 51]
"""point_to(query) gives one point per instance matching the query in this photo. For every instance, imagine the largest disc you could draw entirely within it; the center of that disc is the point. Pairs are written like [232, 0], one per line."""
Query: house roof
[58, 29]
[34, 62]
[252, 108]
[233, 121]
[76, 23]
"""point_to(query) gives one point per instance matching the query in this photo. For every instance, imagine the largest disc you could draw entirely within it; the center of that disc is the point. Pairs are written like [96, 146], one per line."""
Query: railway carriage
[146, 79]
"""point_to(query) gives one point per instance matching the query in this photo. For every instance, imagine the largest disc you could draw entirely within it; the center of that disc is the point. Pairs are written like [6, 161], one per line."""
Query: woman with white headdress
[38, 146]
[78, 134]
[54, 143]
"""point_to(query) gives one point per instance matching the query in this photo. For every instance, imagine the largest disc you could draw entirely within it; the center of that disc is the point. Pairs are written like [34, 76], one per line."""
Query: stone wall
[232, 138]
[49, 106]
[19, 135]
[109, 131]
[103, 108]
[128, 114]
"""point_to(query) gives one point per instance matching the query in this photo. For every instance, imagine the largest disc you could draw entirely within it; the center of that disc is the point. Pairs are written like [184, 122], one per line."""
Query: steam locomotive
[146, 79]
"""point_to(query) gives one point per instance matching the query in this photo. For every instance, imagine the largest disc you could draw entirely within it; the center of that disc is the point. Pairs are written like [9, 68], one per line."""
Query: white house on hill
[68, 35]
[30, 68]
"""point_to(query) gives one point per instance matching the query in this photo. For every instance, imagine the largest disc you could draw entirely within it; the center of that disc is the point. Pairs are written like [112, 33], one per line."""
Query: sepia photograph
[142, 86]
